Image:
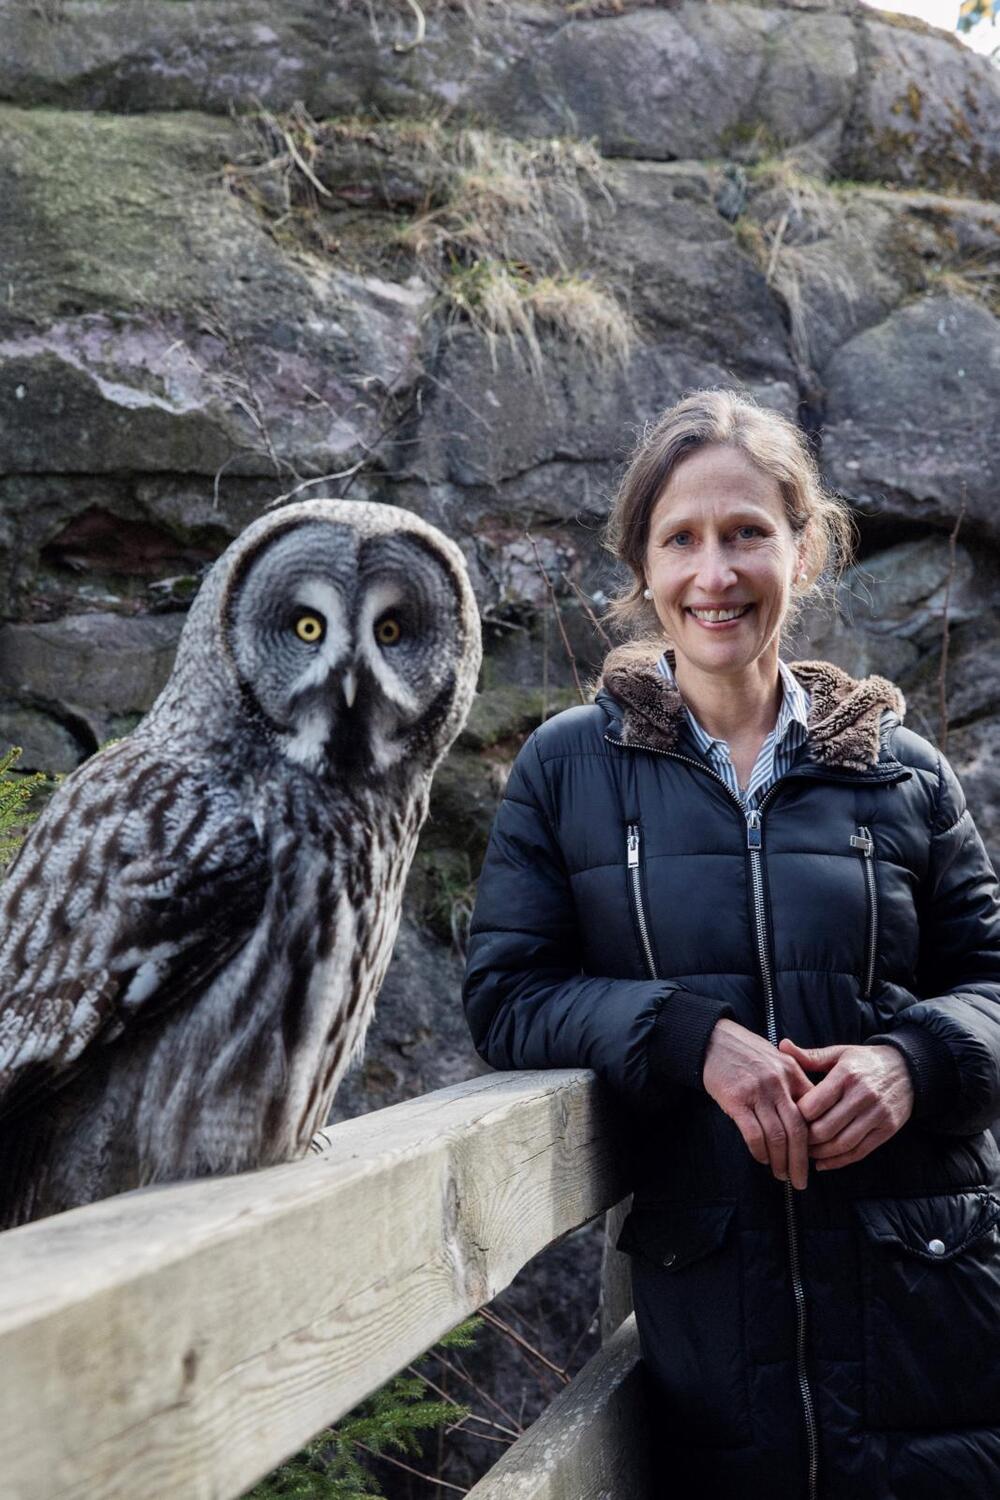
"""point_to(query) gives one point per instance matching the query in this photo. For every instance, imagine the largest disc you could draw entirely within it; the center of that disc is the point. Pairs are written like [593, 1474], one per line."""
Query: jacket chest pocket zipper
[863, 841]
[635, 882]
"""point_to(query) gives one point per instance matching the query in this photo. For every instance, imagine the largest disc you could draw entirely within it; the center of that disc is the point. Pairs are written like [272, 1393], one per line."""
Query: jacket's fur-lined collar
[844, 723]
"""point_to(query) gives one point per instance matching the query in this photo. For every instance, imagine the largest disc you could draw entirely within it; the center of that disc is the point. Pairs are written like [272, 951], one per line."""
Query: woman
[755, 904]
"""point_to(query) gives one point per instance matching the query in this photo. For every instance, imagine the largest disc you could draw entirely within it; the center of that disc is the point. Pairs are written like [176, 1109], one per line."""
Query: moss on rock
[508, 712]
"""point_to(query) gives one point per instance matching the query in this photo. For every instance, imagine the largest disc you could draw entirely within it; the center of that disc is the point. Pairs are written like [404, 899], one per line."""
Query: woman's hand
[758, 1086]
[866, 1096]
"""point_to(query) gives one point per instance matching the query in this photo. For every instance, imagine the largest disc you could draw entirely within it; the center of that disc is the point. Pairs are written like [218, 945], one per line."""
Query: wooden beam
[616, 1272]
[182, 1340]
[591, 1443]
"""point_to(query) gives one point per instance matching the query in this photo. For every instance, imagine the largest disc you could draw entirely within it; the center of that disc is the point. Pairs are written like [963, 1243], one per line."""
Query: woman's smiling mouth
[718, 616]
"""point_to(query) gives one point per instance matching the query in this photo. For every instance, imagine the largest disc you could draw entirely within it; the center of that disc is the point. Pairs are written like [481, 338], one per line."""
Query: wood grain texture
[616, 1272]
[591, 1443]
[182, 1340]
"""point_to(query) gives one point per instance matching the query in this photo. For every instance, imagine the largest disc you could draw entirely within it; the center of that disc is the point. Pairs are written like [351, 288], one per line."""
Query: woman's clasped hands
[864, 1097]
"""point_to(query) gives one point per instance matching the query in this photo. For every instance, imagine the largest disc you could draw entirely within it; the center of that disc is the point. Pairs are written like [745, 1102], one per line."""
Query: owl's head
[351, 632]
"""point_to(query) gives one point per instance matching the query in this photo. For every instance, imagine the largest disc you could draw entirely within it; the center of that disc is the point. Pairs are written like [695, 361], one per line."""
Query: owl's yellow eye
[388, 631]
[310, 628]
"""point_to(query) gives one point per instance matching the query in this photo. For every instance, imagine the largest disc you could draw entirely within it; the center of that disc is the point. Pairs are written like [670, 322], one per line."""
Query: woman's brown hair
[771, 442]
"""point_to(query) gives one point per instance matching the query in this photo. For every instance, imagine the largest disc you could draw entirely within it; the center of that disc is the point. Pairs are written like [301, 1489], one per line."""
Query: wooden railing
[182, 1340]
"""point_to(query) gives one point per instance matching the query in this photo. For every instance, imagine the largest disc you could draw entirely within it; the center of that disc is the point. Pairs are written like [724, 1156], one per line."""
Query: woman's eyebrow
[738, 514]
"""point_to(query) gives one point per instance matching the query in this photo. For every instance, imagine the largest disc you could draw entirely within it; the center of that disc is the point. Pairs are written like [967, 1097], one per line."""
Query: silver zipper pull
[632, 845]
[753, 829]
[863, 840]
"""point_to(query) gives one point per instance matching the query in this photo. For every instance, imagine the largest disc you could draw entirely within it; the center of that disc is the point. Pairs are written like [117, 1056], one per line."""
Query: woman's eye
[681, 538]
[388, 631]
[746, 533]
[310, 628]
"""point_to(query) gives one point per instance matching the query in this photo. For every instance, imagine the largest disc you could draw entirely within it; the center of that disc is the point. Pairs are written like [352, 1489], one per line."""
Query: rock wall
[244, 246]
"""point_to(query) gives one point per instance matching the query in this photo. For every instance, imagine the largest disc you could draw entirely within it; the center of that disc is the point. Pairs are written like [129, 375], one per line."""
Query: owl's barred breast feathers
[194, 933]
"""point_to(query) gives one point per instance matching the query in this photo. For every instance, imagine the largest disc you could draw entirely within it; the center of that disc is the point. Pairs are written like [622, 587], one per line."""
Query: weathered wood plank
[616, 1272]
[591, 1443]
[183, 1340]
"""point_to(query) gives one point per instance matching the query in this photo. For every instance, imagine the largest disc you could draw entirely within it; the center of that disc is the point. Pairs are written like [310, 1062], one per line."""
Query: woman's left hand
[866, 1096]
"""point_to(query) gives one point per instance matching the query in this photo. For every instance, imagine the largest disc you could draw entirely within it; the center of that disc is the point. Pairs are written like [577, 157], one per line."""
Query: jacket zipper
[754, 828]
[863, 840]
[632, 847]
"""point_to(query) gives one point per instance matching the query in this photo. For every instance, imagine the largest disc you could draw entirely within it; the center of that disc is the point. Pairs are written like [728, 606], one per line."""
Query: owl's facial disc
[346, 644]
[409, 636]
[289, 630]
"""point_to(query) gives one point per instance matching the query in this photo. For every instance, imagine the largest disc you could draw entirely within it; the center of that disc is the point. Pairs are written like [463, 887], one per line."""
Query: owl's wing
[96, 944]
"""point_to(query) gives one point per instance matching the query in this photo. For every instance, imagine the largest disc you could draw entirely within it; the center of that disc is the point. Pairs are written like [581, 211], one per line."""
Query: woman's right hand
[757, 1086]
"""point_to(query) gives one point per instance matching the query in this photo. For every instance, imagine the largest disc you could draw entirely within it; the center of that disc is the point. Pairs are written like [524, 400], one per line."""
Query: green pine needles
[16, 791]
[329, 1468]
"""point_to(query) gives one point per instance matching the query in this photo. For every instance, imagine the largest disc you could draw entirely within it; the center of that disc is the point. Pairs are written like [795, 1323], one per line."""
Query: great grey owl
[193, 935]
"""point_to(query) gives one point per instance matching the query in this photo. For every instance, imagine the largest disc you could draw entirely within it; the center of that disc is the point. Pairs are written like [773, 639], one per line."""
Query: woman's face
[719, 540]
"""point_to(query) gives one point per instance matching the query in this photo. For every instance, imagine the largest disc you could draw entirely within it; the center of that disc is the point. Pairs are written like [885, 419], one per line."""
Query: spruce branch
[16, 792]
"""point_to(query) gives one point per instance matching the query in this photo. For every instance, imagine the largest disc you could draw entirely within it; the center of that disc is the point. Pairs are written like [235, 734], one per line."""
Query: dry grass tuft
[277, 171]
[586, 315]
[485, 218]
[506, 200]
[405, 21]
[977, 278]
[505, 305]
[793, 212]
[490, 295]
[495, 247]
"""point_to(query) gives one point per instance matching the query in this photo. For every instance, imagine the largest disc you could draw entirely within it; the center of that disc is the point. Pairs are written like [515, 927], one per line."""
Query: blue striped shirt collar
[794, 707]
[777, 752]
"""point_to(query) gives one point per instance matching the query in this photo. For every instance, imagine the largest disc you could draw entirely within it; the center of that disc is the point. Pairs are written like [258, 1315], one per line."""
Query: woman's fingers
[796, 1081]
[797, 1136]
[829, 1122]
[871, 1142]
[786, 1141]
[850, 1136]
[823, 1096]
[749, 1128]
[875, 1100]
[812, 1059]
[866, 1096]
[758, 1087]
[776, 1139]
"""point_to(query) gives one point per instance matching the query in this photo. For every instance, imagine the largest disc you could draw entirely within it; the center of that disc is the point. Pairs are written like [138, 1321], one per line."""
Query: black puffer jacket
[843, 1342]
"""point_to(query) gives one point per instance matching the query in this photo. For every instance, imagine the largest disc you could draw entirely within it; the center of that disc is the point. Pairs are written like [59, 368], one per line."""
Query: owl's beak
[350, 685]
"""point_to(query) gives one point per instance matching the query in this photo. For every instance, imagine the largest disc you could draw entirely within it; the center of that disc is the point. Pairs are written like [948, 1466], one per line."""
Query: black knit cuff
[679, 1038]
[932, 1067]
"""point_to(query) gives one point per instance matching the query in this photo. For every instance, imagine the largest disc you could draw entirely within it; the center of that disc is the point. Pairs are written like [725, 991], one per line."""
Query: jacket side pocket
[687, 1289]
[931, 1278]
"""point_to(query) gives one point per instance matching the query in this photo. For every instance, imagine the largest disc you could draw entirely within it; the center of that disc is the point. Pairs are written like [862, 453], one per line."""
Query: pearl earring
[647, 593]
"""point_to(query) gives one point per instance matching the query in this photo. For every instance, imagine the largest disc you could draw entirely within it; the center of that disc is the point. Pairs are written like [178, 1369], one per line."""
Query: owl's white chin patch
[387, 753]
[308, 745]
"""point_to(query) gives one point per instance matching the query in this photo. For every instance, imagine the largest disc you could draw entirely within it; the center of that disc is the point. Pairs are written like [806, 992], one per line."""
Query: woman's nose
[715, 571]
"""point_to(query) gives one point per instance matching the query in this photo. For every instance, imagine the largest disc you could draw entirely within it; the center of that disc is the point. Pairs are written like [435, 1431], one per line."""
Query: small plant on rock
[17, 789]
